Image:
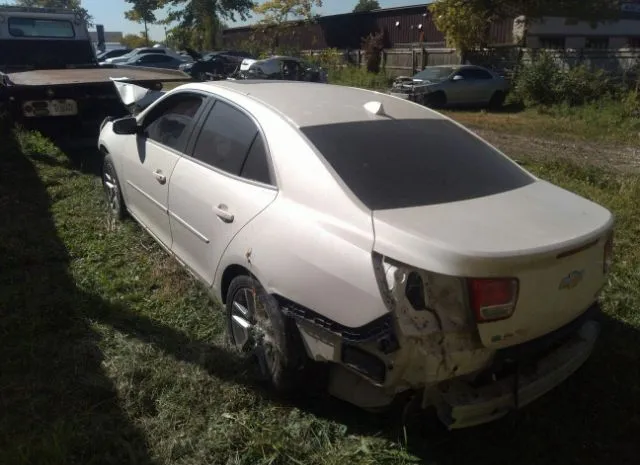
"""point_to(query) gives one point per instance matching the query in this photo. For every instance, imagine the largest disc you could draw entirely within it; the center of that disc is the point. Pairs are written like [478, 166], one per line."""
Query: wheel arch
[230, 273]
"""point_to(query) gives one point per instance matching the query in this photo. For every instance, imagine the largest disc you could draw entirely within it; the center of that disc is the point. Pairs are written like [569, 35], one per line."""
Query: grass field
[111, 354]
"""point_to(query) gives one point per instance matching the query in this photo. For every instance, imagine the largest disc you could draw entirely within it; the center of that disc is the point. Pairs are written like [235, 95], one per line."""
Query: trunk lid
[551, 240]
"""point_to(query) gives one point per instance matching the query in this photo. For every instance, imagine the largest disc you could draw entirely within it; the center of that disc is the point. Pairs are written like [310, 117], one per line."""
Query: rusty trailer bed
[56, 77]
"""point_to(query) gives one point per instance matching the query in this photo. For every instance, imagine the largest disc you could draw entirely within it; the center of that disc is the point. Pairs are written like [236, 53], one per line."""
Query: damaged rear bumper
[462, 405]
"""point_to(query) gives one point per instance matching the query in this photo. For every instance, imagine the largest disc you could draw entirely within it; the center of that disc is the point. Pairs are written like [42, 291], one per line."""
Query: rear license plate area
[58, 107]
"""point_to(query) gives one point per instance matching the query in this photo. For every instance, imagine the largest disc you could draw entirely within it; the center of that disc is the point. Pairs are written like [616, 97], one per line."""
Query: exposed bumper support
[462, 406]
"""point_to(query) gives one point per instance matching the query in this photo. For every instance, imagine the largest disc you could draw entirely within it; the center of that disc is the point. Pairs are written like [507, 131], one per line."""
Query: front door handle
[223, 213]
[161, 178]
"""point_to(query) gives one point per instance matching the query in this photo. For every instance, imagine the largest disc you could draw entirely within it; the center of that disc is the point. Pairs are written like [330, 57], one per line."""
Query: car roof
[314, 104]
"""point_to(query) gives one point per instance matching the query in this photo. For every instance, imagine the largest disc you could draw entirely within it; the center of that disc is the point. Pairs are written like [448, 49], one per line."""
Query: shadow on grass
[82, 154]
[59, 406]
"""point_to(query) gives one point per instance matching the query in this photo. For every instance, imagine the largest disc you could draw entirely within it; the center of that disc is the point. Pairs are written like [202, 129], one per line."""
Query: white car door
[150, 157]
[224, 183]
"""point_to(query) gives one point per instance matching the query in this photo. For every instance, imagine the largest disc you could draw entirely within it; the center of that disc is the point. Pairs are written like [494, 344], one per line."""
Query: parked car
[154, 60]
[216, 64]
[115, 53]
[440, 86]
[353, 230]
[145, 51]
[281, 68]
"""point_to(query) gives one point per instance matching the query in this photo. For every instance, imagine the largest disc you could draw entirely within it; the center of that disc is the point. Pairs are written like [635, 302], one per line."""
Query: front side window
[434, 74]
[230, 141]
[480, 74]
[169, 122]
[49, 28]
[413, 162]
[155, 58]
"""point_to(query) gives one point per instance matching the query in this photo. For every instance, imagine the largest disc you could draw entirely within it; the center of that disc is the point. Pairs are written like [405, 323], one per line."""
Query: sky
[110, 13]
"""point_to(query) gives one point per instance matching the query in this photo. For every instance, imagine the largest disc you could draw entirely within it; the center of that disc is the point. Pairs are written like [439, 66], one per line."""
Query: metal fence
[408, 61]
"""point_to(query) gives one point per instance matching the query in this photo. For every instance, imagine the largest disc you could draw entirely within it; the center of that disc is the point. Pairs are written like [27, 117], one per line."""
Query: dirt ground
[615, 157]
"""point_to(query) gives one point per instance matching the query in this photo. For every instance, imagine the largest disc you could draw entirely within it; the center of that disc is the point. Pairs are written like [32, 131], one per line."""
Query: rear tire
[435, 100]
[497, 100]
[257, 326]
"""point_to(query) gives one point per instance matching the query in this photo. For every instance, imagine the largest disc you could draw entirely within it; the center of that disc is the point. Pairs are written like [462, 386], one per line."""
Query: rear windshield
[51, 28]
[406, 163]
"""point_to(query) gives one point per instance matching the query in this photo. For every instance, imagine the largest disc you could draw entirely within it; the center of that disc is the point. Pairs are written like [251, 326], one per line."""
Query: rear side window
[230, 141]
[256, 166]
[50, 28]
[474, 74]
[407, 163]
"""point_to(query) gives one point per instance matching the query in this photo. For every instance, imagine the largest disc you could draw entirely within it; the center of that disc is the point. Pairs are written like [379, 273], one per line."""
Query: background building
[414, 25]
[400, 26]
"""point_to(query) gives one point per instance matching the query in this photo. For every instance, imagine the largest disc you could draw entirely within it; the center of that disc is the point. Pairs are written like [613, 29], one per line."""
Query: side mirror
[457, 77]
[126, 126]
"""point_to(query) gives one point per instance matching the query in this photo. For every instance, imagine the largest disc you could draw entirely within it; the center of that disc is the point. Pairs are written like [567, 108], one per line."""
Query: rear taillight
[493, 299]
[608, 254]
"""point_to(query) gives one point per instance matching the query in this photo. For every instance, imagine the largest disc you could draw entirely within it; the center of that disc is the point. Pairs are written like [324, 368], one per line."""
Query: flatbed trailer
[50, 78]
[72, 103]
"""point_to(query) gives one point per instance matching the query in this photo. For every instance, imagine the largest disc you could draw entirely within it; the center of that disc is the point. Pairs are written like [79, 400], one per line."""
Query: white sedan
[369, 236]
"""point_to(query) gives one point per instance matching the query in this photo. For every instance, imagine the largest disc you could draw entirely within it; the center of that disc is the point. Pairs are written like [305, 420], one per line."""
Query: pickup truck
[50, 78]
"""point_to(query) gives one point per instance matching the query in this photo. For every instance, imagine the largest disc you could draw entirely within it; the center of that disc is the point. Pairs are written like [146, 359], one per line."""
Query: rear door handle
[160, 177]
[222, 213]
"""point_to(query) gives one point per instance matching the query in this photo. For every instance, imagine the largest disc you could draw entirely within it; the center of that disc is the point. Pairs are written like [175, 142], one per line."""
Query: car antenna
[375, 108]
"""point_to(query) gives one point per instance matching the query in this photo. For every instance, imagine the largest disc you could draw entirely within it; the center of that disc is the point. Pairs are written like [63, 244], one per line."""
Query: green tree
[202, 19]
[366, 5]
[467, 23]
[75, 5]
[277, 16]
[136, 40]
[143, 11]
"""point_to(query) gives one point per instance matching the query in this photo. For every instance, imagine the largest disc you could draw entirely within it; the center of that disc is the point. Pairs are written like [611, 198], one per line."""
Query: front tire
[257, 326]
[113, 193]
[497, 100]
[435, 100]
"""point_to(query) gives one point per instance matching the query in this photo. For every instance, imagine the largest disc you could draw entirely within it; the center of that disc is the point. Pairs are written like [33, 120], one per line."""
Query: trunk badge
[571, 280]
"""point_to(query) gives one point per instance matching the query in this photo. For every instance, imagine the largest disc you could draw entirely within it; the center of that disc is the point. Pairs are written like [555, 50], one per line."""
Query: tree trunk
[146, 32]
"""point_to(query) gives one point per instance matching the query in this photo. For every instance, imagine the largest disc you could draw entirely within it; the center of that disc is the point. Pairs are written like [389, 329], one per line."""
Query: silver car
[440, 86]
[368, 236]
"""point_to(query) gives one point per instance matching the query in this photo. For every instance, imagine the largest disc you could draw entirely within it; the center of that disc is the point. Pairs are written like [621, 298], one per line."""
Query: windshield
[412, 162]
[49, 28]
[434, 74]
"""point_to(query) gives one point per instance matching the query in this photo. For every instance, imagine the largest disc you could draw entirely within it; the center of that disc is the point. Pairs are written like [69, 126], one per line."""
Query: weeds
[544, 83]
[113, 354]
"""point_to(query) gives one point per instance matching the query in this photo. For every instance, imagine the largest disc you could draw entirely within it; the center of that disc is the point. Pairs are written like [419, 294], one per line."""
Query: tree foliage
[135, 40]
[366, 5]
[467, 23]
[143, 11]
[197, 23]
[75, 5]
[279, 12]
[277, 18]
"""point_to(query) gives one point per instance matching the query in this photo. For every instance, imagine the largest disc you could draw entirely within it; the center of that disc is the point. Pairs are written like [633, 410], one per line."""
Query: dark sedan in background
[281, 68]
[154, 60]
[214, 64]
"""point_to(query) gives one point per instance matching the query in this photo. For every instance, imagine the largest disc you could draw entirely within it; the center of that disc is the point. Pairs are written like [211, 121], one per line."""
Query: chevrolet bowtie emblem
[571, 280]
